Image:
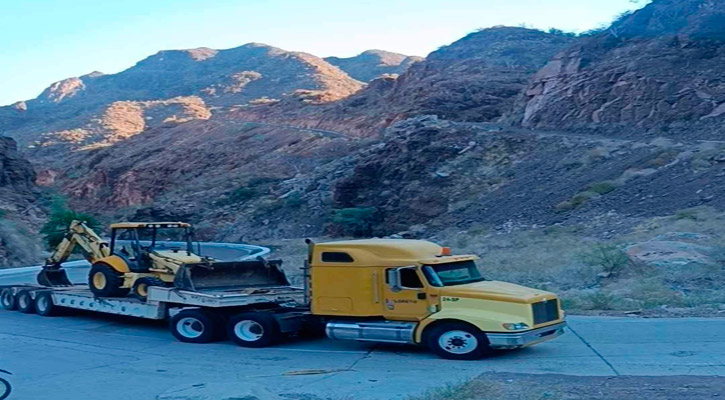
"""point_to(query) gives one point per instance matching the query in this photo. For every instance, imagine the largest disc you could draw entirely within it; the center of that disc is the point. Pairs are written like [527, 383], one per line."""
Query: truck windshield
[451, 274]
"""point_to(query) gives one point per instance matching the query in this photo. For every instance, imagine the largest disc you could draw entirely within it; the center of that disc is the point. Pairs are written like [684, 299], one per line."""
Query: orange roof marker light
[446, 251]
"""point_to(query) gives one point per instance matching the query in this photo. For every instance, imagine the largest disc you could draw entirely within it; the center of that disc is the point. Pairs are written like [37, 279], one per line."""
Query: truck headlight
[516, 327]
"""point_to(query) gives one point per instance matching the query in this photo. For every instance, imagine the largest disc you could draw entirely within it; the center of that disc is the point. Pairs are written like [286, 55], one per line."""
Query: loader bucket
[221, 275]
[53, 276]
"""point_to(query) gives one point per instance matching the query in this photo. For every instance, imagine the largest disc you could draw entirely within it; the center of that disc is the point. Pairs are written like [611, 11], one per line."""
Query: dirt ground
[562, 387]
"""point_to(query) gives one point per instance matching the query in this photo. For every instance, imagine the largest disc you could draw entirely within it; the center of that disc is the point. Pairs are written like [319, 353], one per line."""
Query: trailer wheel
[44, 304]
[25, 302]
[195, 326]
[457, 341]
[7, 298]
[254, 329]
[105, 281]
[140, 288]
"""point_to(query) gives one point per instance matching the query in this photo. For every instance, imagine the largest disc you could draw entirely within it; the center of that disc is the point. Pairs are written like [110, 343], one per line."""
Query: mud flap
[53, 276]
[220, 275]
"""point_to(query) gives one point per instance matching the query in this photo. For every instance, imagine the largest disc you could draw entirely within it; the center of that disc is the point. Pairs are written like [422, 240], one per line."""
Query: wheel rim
[42, 304]
[248, 330]
[99, 280]
[142, 289]
[23, 301]
[190, 328]
[458, 342]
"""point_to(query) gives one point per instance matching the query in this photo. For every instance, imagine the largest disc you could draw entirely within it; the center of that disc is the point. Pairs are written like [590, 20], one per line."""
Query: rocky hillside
[372, 64]
[477, 78]
[656, 72]
[168, 88]
[20, 216]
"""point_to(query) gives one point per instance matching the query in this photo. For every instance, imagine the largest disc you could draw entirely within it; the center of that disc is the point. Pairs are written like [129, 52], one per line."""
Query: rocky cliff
[655, 72]
[20, 216]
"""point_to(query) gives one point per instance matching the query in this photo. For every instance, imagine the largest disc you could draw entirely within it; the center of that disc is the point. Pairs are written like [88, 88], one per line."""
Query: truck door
[404, 294]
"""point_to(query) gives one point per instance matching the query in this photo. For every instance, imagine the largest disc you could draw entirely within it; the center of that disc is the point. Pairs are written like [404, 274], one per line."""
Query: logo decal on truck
[451, 298]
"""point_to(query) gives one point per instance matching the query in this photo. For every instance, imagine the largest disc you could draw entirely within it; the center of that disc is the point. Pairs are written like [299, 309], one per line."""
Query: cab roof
[132, 225]
[386, 252]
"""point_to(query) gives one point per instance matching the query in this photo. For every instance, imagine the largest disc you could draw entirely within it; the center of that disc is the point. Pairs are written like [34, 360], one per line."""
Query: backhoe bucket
[53, 276]
[221, 275]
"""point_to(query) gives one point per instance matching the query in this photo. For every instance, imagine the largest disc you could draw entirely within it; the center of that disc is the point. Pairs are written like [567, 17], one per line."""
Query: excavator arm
[78, 234]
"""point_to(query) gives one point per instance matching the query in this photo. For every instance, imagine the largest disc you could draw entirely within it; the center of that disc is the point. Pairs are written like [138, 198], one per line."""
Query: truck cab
[414, 291]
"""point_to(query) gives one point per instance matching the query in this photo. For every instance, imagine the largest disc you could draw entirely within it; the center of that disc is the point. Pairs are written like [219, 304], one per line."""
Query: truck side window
[409, 278]
[336, 256]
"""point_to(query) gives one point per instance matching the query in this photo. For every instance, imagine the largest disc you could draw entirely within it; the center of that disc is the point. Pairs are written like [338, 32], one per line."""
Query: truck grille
[545, 311]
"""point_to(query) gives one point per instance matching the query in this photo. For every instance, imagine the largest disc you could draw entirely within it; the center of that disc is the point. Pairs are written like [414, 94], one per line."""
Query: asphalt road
[94, 356]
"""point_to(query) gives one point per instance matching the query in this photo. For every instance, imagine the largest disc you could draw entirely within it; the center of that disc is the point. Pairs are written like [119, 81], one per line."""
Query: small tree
[357, 222]
[60, 219]
[610, 258]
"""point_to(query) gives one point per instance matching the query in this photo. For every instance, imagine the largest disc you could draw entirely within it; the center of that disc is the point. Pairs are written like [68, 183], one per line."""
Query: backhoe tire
[44, 304]
[7, 299]
[254, 329]
[457, 341]
[196, 326]
[140, 288]
[104, 281]
[26, 305]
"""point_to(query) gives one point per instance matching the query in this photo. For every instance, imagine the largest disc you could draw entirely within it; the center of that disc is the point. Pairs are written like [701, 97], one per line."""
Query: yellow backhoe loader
[143, 254]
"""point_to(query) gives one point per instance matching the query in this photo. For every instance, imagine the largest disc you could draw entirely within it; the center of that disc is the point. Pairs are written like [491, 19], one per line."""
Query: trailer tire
[25, 302]
[44, 304]
[140, 288]
[254, 329]
[104, 281]
[195, 326]
[456, 341]
[8, 300]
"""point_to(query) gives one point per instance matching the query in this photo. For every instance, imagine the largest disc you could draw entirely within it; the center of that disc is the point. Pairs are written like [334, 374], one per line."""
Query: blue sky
[44, 41]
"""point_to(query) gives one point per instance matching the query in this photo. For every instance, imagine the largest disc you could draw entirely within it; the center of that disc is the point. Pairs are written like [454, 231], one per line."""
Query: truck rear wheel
[195, 326]
[254, 329]
[105, 281]
[7, 299]
[25, 302]
[44, 304]
[457, 341]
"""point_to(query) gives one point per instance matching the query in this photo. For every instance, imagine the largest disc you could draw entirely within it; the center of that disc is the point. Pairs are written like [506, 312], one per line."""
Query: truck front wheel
[254, 329]
[457, 341]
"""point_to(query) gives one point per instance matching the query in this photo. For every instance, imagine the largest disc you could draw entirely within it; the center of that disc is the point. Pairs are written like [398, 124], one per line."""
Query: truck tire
[44, 304]
[7, 299]
[104, 281]
[457, 341]
[25, 302]
[254, 329]
[140, 288]
[195, 326]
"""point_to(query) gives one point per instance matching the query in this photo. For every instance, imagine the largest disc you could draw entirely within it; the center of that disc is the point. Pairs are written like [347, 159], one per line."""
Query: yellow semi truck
[377, 290]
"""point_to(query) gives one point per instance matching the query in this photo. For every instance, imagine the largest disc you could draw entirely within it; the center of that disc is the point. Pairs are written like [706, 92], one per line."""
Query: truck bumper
[523, 339]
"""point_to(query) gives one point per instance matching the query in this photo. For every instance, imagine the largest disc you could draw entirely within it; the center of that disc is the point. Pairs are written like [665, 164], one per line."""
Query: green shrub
[610, 258]
[690, 213]
[238, 195]
[602, 187]
[581, 198]
[58, 222]
[294, 200]
[355, 221]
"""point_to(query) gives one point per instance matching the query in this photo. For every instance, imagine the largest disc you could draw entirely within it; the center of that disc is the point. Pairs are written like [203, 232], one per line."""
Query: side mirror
[394, 279]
